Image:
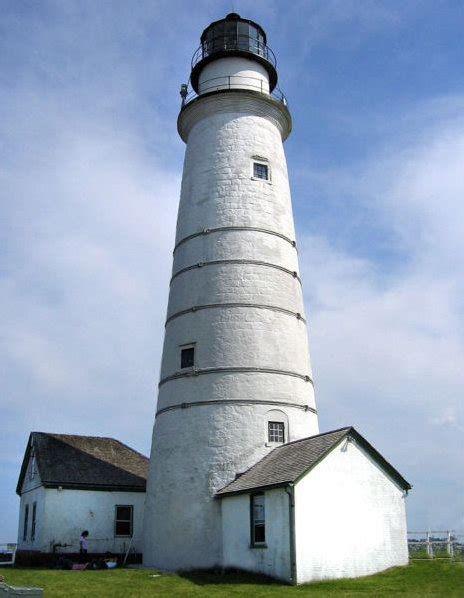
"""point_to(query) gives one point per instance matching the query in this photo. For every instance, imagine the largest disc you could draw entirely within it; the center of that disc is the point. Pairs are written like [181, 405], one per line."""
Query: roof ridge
[92, 457]
[77, 436]
[130, 448]
[314, 436]
[60, 435]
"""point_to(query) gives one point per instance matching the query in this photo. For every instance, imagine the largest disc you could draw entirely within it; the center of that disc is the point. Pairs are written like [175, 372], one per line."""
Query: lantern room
[233, 54]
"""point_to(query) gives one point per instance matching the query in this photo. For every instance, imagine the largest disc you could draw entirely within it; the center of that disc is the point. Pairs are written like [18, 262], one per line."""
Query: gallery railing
[231, 82]
[232, 43]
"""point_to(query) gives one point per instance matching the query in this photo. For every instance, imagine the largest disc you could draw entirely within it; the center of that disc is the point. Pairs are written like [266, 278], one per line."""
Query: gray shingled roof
[87, 462]
[285, 464]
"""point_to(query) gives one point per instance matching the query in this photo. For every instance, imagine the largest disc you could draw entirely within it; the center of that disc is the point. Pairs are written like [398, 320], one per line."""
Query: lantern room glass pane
[218, 37]
[243, 36]
[230, 35]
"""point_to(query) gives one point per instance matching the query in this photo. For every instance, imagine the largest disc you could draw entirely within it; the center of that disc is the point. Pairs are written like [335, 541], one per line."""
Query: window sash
[276, 432]
[258, 519]
[261, 171]
[123, 520]
[187, 357]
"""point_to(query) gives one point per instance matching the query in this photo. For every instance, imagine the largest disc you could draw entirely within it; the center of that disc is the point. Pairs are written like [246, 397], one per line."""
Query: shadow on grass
[204, 577]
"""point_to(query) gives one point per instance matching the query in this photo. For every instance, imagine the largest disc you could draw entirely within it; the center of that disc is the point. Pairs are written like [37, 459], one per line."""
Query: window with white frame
[123, 523]
[276, 432]
[257, 520]
[261, 169]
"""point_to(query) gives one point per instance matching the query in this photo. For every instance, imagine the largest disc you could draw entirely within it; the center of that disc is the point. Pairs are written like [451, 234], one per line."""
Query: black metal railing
[230, 82]
[234, 42]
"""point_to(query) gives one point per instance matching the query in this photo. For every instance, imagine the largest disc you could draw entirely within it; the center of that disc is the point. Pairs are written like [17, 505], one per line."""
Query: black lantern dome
[233, 36]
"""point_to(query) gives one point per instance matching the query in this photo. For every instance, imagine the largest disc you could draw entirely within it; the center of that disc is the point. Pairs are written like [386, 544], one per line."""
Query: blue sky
[90, 166]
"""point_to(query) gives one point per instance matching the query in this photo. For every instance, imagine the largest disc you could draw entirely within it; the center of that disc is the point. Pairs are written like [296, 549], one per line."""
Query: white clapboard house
[70, 483]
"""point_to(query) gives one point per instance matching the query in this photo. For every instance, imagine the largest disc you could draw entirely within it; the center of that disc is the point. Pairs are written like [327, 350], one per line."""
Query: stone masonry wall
[212, 425]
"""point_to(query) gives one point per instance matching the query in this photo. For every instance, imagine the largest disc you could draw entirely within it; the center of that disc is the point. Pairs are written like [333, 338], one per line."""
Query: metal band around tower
[237, 262]
[195, 308]
[218, 229]
[235, 402]
[233, 370]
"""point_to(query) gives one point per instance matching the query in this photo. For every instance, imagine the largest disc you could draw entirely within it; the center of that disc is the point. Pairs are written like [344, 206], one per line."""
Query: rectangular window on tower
[187, 357]
[123, 520]
[257, 520]
[260, 171]
[276, 432]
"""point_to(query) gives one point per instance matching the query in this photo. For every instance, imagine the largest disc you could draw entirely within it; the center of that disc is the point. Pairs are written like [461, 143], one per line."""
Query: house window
[257, 517]
[187, 357]
[26, 521]
[34, 518]
[260, 171]
[124, 520]
[276, 432]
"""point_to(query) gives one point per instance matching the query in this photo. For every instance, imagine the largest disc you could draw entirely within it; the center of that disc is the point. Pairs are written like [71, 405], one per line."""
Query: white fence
[436, 544]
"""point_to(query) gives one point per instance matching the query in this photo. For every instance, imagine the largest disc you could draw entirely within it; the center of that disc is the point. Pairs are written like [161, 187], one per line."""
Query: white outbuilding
[322, 507]
[69, 484]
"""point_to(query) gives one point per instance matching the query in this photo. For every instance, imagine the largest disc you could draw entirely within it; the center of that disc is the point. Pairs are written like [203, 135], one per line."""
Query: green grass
[421, 578]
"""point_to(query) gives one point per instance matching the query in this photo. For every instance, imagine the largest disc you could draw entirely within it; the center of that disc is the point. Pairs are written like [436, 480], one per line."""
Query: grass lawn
[421, 578]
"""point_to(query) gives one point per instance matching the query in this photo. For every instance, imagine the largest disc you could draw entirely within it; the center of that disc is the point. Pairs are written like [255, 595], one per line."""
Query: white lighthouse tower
[235, 376]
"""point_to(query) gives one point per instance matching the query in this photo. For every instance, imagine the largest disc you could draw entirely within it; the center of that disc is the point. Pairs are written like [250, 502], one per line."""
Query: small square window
[187, 357]
[261, 171]
[276, 432]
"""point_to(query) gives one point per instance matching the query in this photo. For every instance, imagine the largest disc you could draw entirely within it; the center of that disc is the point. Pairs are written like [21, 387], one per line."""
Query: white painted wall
[31, 491]
[274, 560]
[350, 518]
[197, 450]
[63, 514]
[30, 496]
[233, 72]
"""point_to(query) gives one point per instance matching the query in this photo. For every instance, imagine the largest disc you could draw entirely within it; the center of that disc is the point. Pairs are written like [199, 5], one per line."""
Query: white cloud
[87, 232]
[387, 339]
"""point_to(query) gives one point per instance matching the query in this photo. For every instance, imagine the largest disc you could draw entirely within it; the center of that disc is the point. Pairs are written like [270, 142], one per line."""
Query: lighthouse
[236, 385]
[235, 376]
